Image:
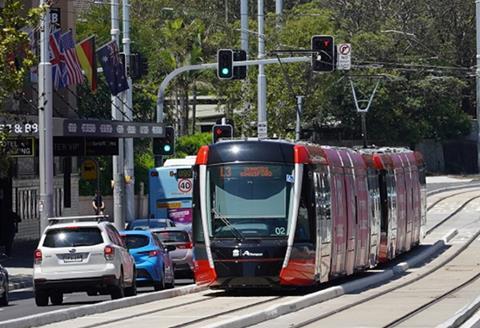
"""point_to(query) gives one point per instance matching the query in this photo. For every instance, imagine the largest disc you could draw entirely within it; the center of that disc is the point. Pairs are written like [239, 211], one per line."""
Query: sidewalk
[20, 264]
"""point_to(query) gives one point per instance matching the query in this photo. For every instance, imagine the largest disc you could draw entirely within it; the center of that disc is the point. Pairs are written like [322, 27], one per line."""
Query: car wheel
[41, 298]
[160, 285]
[132, 290]
[4, 298]
[56, 298]
[118, 290]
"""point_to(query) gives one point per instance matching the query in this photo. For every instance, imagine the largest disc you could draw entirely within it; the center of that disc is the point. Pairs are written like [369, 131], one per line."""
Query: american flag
[74, 72]
[57, 59]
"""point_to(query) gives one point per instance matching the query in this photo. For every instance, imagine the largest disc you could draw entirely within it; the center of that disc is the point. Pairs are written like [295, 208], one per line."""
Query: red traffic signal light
[323, 57]
[222, 131]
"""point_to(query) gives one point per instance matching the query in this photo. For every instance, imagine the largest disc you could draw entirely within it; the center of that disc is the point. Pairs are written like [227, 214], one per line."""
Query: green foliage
[409, 43]
[189, 145]
[16, 57]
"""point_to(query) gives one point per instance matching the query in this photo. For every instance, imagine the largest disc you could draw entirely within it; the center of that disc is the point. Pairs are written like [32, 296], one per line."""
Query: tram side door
[409, 208]
[339, 222]
[401, 209]
[323, 224]
[361, 219]
[351, 219]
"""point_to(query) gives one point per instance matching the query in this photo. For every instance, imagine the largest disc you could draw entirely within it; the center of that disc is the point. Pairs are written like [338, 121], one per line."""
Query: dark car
[182, 255]
[3, 286]
[146, 224]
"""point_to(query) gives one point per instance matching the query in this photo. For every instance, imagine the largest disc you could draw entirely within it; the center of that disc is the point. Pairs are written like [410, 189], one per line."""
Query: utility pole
[45, 119]
[262, 127]
[298, 126]
[117, 161]
[278, 12]
[127, 109]
[244, 46]
[477, 79]
[244, 25]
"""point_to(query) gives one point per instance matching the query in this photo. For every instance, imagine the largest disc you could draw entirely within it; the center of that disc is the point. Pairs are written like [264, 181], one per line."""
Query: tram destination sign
[28, 127]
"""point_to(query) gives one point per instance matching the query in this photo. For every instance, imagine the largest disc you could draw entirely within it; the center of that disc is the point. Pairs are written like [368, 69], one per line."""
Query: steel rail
[432, 302]
[391, 289]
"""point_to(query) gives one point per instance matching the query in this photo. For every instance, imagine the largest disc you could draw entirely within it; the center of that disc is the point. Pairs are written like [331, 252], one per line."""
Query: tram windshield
[249, 200]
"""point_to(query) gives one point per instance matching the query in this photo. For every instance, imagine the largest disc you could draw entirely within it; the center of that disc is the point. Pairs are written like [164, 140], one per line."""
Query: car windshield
[147, 224]
[136, 241]
[73, 237]
[173, 236]
[249, 200]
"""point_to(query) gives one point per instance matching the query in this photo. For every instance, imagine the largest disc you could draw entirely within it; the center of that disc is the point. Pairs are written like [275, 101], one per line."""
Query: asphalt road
[22, 303]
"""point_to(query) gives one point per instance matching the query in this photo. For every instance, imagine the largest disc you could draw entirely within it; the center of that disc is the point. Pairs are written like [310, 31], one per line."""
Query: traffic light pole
[45, 119]
[262, 125]
[117, 161]
[189, 68]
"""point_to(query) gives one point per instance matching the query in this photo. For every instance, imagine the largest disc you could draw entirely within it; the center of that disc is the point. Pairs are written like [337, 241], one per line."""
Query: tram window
[249, 199]
[322, 196]
[303, 226]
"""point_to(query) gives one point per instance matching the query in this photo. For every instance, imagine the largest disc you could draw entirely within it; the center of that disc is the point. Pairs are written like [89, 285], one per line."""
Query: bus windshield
[249, 200]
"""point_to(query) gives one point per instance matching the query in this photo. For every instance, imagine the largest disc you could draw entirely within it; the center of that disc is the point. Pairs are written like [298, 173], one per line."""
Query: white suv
[84, 253]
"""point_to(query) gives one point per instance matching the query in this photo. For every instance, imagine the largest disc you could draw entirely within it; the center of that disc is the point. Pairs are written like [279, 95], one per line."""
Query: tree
[16, 57]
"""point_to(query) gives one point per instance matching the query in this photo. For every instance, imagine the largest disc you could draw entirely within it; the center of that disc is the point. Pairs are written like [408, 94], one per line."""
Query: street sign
[28, 126]
[89, 170]
[117, 129]
[55, 17]
[344, 56]
[262, 129]
[21, 147]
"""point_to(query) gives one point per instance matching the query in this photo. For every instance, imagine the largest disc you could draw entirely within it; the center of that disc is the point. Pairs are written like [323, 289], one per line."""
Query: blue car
[152, 259]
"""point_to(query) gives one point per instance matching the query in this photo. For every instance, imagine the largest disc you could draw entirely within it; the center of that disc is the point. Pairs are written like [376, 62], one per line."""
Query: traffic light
[225, 64]
[323, 58]
[222, 131]
[239, 72]
[166, 145]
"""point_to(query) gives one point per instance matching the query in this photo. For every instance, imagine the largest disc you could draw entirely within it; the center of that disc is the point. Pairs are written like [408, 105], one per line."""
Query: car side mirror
[171, 248]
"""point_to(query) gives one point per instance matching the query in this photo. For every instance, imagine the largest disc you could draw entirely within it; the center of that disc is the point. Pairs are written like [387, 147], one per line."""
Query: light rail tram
[270, 213]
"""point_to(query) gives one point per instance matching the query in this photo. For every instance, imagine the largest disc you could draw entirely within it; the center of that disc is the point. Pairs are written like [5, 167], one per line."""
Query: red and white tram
[271, 212]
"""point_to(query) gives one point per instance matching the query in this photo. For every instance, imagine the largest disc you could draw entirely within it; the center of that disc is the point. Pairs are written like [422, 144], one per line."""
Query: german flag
[86, 55]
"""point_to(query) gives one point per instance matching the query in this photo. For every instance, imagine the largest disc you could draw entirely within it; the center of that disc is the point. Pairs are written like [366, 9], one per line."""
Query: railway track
[209, 307]
[373, 299]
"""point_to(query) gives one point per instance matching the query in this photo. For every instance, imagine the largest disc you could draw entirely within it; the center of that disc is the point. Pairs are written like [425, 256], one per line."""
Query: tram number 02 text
[280, 231]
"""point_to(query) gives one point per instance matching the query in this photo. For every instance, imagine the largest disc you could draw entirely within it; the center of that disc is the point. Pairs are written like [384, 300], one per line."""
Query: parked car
[145, 224]
[182, 256]
[152, 258]
[3, 286]
[81, 254]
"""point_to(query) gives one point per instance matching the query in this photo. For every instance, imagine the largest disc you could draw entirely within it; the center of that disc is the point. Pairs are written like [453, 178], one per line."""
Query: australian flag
[113, 67]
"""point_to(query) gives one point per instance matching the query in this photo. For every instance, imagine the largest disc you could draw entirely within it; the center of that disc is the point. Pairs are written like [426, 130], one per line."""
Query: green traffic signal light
[167, 148]
[225, 63]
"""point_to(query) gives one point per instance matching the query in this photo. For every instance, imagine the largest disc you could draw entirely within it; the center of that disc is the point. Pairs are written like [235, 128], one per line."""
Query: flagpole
[45, 119]
[127, 109]
[117, 161]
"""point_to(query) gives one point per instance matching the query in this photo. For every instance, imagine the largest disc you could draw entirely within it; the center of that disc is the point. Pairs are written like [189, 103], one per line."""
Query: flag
[57, 59]
[86, 56]
[74, 72]
[33, 48]
[113, 67]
